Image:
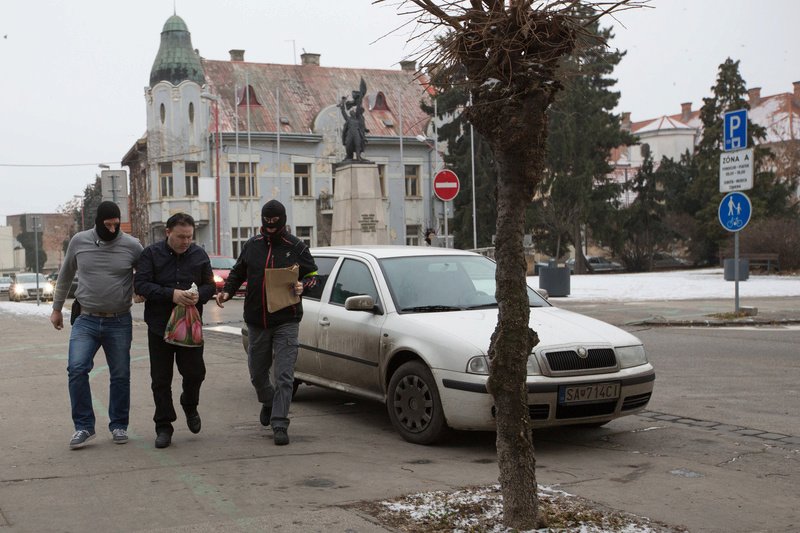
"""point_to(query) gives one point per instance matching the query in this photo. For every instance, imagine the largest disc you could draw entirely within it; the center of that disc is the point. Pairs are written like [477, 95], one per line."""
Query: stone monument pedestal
[358, 214]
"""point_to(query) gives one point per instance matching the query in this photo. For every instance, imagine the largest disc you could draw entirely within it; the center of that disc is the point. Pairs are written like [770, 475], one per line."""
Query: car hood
[554, 326]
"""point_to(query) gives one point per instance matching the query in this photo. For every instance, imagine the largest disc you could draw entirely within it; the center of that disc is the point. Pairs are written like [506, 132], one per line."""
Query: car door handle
[324, 322]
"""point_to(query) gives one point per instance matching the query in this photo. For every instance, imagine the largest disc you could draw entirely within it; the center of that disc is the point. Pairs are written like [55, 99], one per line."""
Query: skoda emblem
[582, 353]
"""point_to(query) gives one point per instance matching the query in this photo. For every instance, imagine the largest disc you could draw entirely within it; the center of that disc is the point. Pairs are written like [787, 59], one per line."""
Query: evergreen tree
[583, 130]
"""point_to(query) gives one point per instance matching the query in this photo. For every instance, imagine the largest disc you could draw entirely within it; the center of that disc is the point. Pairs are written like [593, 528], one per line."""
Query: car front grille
[584, 410]
[568, 360]
[636, 401]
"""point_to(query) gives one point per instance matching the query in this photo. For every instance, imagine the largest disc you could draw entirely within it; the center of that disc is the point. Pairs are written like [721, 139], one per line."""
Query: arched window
[380, 103]
[163, 112]
[247, 95]
[191, 112]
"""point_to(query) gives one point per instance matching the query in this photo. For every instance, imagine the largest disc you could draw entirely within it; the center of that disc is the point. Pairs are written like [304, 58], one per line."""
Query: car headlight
[478, 365]
[218, 278]
[48, 288]
[631, 356]
[532, 368]
[19, 289]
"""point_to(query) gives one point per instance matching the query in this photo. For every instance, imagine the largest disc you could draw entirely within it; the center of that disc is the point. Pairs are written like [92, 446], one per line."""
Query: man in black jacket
[164, 274]
[271, 335]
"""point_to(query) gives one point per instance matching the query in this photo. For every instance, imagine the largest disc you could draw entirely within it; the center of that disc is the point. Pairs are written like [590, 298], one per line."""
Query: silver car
[27, 284]
[410, 326]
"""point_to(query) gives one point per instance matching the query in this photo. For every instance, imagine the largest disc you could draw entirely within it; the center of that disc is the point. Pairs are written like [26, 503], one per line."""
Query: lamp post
[36, 256]
[214, 98]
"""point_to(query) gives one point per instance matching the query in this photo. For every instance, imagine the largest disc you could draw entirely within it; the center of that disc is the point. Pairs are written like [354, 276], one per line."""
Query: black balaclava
[105, 211]
[271, 209]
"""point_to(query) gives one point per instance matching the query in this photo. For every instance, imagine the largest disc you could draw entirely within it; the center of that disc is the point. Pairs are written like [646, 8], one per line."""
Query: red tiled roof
[305, 90]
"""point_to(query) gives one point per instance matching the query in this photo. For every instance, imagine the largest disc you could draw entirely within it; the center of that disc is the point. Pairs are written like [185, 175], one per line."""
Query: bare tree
[509, 52]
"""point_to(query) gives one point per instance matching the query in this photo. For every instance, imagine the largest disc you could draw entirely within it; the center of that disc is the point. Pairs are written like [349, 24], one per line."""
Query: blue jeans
[88, 334]
[276, 346]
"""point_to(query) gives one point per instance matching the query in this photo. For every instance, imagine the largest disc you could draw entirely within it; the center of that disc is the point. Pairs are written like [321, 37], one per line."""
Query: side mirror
[361, 302]
[543, 293]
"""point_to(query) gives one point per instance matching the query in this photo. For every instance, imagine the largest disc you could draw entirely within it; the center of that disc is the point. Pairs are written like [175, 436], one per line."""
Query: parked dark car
[597, 264]
[663, 260]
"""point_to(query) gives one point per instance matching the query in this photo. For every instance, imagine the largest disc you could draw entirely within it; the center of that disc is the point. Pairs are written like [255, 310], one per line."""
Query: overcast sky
[73, 73]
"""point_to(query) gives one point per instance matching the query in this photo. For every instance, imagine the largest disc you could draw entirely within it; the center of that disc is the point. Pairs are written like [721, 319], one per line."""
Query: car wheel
[414, 406]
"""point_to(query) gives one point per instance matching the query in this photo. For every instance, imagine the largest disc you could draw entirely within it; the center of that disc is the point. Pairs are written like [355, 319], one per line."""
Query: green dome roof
[176, 60]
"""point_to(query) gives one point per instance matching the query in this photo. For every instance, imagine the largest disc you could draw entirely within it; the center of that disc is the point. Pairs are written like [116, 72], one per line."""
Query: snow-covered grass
[700, 284]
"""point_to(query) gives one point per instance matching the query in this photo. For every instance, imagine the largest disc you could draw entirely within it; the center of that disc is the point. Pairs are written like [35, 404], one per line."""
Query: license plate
[591, 393]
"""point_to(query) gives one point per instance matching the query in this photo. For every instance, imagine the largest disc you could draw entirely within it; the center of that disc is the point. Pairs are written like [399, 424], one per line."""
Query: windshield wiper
[431, 308]
[483, 306]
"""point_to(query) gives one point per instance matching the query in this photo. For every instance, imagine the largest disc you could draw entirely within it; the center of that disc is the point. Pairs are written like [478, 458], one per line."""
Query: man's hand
[180, 297]
[222, 297]
[298, 288]
[137, 299]
[57, 319]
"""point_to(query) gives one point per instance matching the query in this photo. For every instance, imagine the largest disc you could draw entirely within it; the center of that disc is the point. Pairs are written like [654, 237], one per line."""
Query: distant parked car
[5, 283]
[53, 278]
[410, 326]
[597, 265]
[663, 260]
[222, 265]
[24, 287]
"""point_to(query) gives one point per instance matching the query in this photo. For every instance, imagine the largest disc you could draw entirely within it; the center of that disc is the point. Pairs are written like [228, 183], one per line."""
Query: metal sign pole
[736, 271]
[446, 232]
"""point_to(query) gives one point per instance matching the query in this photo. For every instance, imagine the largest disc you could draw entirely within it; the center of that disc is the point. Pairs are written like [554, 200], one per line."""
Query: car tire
[414, 405]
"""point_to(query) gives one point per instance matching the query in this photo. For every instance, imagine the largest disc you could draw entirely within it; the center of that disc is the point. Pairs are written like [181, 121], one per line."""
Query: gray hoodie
[105, 272]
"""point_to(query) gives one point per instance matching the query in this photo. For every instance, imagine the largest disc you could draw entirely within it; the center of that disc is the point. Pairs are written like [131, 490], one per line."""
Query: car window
[324, 267]
[444, 283]
[222, 263]
[353, 279]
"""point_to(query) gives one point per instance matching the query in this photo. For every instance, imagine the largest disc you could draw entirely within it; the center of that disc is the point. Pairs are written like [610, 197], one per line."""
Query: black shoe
[280, 436]
[194, 422]
[163, 440]
[266, 414]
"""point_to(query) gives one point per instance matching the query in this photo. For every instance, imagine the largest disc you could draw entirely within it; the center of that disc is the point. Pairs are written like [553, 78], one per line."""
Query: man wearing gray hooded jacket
[104, 258]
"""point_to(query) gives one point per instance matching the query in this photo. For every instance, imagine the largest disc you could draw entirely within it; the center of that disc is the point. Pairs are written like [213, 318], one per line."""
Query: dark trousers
[190, 365]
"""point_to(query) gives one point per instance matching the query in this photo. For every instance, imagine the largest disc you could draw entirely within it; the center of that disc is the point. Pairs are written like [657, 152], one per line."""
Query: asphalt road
[706, 454]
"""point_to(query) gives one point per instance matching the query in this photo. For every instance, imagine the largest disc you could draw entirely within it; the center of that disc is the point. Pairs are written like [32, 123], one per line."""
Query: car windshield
[223, 263]
[30, 278]
[444, 283]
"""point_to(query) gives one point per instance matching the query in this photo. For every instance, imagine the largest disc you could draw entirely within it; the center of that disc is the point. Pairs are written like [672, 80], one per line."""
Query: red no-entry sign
[446, 185]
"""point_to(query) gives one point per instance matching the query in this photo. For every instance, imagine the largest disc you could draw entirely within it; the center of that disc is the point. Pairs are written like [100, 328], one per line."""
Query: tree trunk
[519, 154]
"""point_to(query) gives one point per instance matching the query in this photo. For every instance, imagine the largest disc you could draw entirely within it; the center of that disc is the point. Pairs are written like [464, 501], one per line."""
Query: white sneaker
[119, 436]
[80, 438]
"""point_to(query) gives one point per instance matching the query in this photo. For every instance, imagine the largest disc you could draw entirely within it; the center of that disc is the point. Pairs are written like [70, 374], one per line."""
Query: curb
[714, 323]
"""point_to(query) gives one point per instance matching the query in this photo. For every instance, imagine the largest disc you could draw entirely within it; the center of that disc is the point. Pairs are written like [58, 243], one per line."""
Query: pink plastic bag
[185, 327]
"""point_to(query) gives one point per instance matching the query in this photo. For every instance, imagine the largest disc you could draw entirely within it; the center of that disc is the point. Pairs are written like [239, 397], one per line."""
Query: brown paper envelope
[279, 287]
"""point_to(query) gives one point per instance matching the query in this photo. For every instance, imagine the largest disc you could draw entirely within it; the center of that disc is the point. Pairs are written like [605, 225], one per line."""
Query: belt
[104, 315]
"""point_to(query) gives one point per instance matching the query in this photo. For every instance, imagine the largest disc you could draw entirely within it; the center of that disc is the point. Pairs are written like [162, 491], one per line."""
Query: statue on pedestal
[354, 134]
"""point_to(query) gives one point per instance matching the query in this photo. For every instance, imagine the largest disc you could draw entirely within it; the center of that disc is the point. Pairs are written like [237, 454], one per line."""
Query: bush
[773, 235]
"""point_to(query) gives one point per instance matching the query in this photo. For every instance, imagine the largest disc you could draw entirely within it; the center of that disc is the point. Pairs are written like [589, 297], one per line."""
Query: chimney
[236, 55]
[754, 96]
[626, 121]
[307, 58]
[796, 86]
[686, 111]
[408, 66]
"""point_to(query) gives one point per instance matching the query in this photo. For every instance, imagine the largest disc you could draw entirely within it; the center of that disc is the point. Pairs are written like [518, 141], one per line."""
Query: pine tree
[576, 189]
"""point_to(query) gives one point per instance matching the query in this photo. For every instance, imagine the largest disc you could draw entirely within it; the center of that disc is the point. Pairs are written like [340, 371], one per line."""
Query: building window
[165, 180]
[192, 179]
[191, 112]
[304, 234]
[302, 177]
[380, 103]
[162, 111]
[412, 181]
[239, 236]
[247, 96]
[382, 179]
[243, 183]
[412, 235]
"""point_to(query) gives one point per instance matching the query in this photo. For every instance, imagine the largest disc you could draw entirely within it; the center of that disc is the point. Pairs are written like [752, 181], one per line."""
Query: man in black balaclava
[107, 211]
[271, 335]
[103, 258]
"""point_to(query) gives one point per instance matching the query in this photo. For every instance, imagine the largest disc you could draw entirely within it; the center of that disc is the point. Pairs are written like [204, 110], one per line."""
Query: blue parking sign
[735, 130]
[734, 211]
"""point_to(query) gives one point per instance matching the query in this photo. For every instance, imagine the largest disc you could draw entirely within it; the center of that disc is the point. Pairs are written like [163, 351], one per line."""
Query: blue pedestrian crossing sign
[735, 130]
[734, 211]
